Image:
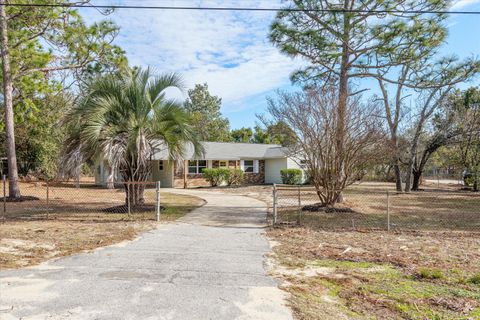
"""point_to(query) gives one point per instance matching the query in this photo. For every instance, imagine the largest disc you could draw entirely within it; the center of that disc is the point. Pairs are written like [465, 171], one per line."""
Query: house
[260, 162]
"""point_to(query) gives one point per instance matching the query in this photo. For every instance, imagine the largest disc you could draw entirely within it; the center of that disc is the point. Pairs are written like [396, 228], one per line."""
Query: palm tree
[125, 118]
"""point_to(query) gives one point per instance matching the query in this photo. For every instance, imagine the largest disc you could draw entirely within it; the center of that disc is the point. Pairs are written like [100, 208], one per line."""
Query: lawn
[368, 204]
[426, 267]
[379, 275]
[76, 221]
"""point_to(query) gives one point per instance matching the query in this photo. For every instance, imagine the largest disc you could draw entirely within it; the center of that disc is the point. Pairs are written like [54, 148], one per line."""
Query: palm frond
[123, 118]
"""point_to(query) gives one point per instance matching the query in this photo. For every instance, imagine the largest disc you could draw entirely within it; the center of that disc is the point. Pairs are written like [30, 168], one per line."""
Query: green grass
[359, 286]
[475, 279]
[430, 274]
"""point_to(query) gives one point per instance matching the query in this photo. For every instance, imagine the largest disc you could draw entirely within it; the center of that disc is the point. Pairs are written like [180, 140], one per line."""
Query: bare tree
[347, 40]
[469, 119]
[440, 79]
[311, 115]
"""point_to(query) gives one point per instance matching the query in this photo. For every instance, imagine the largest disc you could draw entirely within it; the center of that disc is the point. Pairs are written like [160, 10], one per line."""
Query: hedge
[235, 177]
[291, 176]
[216, 176]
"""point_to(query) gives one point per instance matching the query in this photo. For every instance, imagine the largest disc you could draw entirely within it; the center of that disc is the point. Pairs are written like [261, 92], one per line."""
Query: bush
[475, 279]
[307, 178]
[430, 274]
[216, 176]
[235, 177]
[291, 176]
[469, 180]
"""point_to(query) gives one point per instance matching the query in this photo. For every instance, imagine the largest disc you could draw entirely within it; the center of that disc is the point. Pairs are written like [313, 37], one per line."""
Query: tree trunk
[408, 177]
[417, 175]
[14, 191]
[343, 95]
[111, 179]
[398, 175]
[134, 194]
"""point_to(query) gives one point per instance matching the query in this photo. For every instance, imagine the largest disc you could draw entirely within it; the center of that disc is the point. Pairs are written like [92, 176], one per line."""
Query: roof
[230, 151]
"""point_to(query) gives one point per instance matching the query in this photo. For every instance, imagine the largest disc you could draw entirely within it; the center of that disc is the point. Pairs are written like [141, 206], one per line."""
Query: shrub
[307, 178]
[430, 274]
[475, 279]
[235, 177]
[216, 176]
[469, 180]
[291, 176]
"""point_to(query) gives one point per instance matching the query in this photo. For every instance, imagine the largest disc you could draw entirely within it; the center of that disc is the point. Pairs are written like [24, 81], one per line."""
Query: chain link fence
[368, 209]
[79, 200]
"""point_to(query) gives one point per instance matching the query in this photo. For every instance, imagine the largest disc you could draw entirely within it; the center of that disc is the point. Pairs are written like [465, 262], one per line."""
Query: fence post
[274, 194]
[48, 199]
[4, 178]
[157, 207]
[128, 197]
[299, 206]
[388, 210]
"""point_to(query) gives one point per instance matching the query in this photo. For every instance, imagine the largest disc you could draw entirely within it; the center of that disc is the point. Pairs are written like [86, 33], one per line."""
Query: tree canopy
[204, 109]
[125, 118]
[45, 52]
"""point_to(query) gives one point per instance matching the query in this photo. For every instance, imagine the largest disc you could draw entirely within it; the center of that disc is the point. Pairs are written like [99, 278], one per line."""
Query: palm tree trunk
[14, 191]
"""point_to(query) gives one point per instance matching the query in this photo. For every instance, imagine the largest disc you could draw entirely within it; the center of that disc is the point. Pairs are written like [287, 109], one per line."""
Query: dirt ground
[364, 275]
[76, 221]
[333, 272]
[447, 208]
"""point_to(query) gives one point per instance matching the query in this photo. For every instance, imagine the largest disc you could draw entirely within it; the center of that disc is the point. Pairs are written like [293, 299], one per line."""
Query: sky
[230, 51]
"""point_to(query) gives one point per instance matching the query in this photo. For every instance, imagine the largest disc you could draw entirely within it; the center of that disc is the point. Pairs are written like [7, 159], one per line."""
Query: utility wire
[156, 7]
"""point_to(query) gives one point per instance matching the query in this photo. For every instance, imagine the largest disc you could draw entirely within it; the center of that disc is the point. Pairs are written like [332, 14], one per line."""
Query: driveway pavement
[207, 266]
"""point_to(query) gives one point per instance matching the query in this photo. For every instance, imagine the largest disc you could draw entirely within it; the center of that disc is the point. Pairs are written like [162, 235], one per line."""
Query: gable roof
[230, 151]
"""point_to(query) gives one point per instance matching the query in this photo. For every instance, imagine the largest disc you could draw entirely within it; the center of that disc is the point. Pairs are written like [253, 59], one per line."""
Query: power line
[156, 7]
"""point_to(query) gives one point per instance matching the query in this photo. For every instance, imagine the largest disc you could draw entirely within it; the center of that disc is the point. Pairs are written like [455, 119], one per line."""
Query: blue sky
[230, 50]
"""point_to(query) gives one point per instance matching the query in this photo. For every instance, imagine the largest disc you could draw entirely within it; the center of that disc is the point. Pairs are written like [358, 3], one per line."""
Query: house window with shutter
[248, 166]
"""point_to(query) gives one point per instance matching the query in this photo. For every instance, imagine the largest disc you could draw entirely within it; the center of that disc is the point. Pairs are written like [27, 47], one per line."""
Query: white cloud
[460, 4]
[228, 50]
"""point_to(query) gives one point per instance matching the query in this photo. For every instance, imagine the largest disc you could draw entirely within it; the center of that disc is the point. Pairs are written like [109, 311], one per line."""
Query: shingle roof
[230, 151]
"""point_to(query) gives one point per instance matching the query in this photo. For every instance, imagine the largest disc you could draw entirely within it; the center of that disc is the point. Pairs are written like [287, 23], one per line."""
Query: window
[248, 166]
[202, 164]
[160, 165]
[196, 166]
[223, 164]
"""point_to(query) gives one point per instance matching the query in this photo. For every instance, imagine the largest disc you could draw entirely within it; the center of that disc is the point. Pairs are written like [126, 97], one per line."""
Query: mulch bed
[135, 209]
[320, 207]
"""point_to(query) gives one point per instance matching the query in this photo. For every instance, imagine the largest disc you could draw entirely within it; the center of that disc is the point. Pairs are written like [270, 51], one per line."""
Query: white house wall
[165, 176]
[294, 164]
[272, 169]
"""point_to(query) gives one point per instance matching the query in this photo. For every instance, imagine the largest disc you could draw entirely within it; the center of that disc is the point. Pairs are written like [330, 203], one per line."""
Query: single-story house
[260, 162]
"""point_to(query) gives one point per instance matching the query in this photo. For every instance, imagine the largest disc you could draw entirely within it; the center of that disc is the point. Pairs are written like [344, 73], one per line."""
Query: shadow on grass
[97, 214]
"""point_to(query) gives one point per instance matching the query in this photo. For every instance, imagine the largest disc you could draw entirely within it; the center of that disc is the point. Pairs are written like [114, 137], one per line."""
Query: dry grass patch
[334, 272]
[28, 238]
[430, 209]
[26, 243]
[384, 275]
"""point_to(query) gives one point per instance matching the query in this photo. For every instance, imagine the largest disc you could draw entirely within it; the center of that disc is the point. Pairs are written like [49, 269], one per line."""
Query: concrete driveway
[207, 266]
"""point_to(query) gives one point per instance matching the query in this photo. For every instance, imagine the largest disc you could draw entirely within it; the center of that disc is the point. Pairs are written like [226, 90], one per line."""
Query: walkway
[207, 266]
